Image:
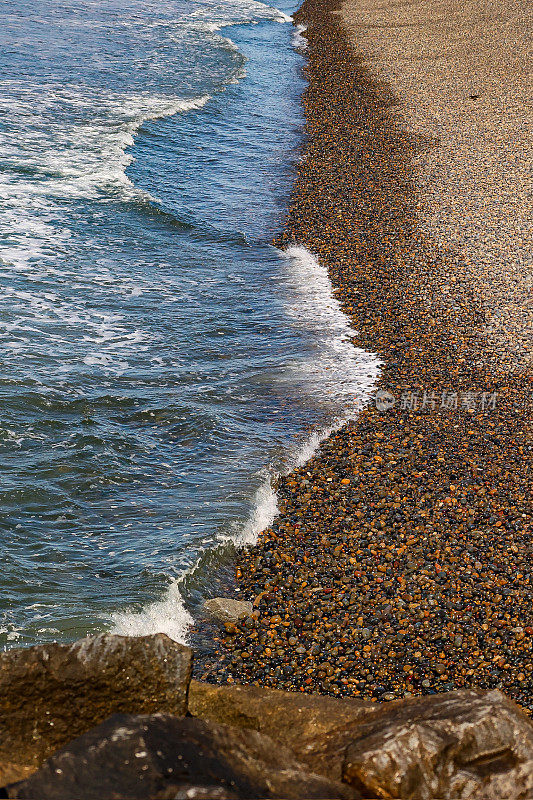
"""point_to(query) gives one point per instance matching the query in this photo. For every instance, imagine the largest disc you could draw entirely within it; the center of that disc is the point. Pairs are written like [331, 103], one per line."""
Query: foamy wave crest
[213, 18]
[338, 374]
[298, 39]
[346, 375]
[220, 15]
[86, 159]
[104, 168]
[168, 615]
[264, 512]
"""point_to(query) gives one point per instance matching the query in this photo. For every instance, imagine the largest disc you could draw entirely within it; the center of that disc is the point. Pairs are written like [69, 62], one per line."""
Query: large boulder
[52, 693]
[292, 718]
[465, 745]
[160, 756]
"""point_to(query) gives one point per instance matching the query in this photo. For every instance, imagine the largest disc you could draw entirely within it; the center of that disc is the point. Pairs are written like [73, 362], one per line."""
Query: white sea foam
[80, 159]
[98, 161]
[168, 615]
[220, 15]
[336, 372]
[80, 152]
[343, 374]
[86, 159]
[264, 512]
[298, 39]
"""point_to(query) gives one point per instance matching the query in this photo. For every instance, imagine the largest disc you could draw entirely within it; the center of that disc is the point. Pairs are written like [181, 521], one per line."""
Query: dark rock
[52, 693]
[291, 718]
[466, 744]
[160, 756]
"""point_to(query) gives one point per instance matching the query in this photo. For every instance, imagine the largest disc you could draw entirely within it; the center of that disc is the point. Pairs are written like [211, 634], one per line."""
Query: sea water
[161, 361]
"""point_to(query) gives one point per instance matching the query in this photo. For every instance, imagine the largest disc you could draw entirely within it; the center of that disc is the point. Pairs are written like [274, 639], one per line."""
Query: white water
[84, 158]
[298, 39]
[74, 144]
[168, 615]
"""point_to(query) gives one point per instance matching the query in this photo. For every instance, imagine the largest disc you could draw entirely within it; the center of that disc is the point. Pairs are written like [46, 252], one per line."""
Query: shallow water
[160, 358]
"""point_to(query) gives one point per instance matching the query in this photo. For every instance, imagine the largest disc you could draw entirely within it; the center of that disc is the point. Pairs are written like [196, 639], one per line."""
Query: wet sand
[401, 561]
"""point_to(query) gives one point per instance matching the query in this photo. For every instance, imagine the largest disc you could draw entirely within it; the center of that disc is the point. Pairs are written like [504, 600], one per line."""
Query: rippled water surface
[159, 358]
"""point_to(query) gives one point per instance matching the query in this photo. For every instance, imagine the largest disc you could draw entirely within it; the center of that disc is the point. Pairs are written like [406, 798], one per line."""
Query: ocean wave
[168, 615]
[62, 142]
[214, 17]
[87, 156]
[219, 15]
[65, 162]
[346, 375]
[298, 39]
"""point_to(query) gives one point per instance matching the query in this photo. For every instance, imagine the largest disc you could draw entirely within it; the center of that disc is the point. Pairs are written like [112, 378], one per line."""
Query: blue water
[160, 359]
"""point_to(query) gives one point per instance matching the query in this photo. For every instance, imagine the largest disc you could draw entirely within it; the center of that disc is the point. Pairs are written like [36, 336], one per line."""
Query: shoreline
[399, 563]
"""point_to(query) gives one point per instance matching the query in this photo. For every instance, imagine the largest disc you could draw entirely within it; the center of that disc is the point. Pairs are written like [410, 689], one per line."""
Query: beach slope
[400, 563]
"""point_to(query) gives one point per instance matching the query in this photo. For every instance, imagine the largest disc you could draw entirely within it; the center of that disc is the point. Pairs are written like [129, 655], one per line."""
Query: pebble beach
[400, 563]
